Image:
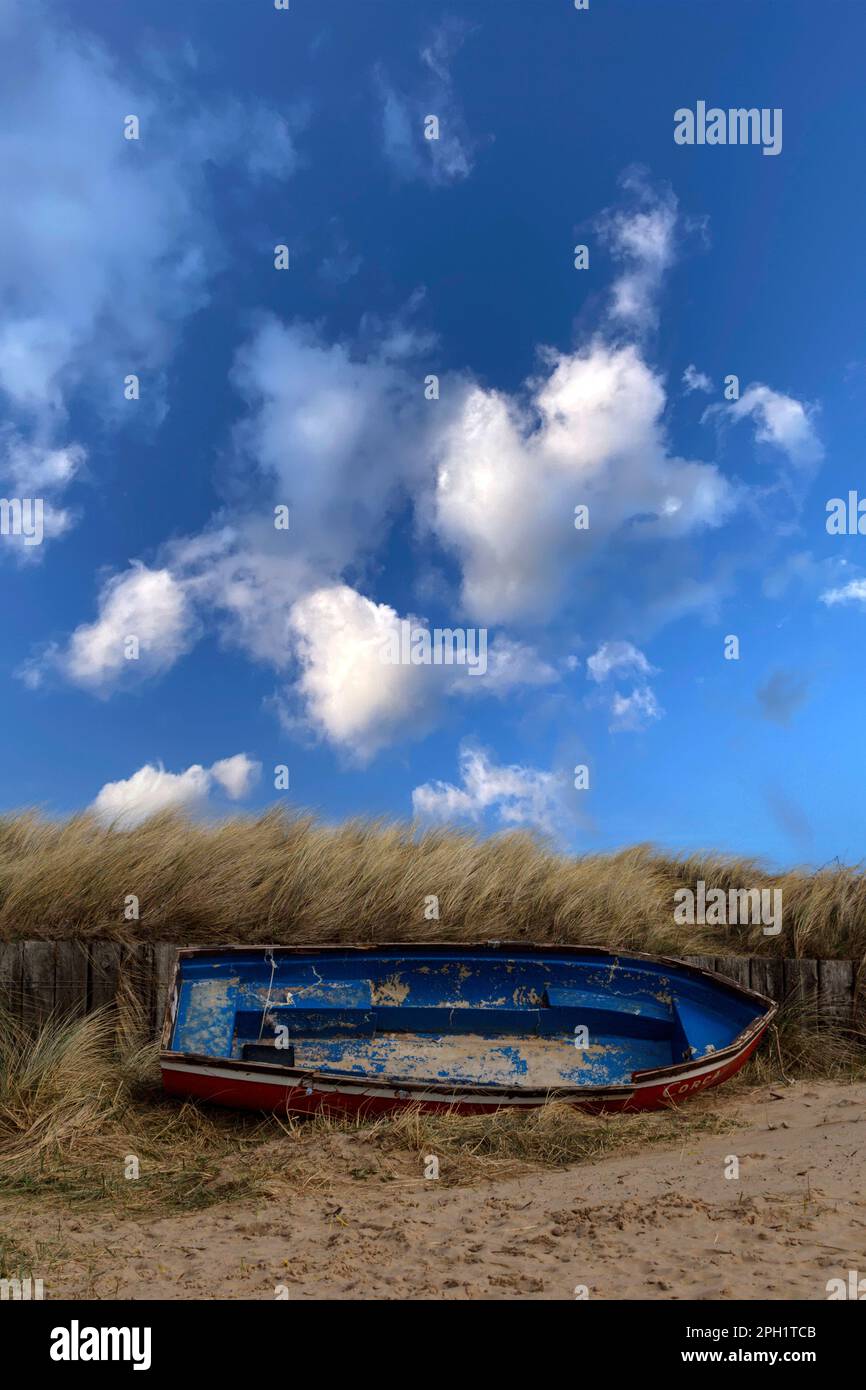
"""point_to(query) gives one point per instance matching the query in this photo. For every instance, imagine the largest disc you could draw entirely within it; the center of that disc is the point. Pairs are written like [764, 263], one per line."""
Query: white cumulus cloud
[331, 432]
[146, 605]
[351, 695]
[236, 775]
[151, 789]
[511, 471]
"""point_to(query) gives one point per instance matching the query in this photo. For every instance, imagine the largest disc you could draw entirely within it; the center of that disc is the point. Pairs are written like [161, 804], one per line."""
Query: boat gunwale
[300, 1078]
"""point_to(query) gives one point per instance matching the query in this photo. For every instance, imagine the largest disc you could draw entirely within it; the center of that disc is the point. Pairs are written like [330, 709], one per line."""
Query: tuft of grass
[801, 1047]
[81, 1098]
[57, 1087]
[555, 1135]
[282, 878]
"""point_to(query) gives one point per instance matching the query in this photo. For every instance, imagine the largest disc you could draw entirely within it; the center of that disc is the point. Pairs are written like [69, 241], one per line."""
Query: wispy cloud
[635, 712]
[107, 244]
[852, 592]
[643, 239]
[612, 662]
[779, 420]
[515, 796]
[693, 380]
[424, 134]
[617, 658]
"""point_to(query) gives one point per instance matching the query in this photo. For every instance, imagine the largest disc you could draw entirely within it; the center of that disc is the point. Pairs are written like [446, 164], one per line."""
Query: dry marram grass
[284, 878]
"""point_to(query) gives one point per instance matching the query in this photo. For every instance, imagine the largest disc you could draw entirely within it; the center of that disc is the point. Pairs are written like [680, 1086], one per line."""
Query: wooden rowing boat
[463, 1027]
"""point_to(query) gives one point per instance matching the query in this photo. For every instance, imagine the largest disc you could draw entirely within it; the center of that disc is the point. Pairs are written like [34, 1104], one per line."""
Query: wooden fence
[38, 978]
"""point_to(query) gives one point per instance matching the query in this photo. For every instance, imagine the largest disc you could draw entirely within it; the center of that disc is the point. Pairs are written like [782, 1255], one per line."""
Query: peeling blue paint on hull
[471, 1027]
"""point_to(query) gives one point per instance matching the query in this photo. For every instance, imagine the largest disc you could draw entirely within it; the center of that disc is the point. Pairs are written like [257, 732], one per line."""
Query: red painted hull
[264, 1087]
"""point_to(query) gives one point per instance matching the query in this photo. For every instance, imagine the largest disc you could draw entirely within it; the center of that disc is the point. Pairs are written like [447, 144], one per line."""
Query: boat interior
[485, 1017]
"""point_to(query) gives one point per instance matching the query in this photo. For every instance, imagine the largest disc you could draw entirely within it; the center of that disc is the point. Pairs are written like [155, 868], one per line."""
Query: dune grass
[83, 1120]
[284, 878]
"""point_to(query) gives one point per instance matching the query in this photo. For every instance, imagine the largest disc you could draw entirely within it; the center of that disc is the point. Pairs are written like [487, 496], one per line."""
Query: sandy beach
[665, 1224]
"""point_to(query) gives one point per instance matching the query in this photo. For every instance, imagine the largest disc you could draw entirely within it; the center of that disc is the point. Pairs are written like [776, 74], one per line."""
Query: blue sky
[410, 257]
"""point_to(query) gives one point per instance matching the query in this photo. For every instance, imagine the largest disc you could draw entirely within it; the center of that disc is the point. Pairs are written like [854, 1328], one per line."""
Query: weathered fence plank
[734, 968]
[801, 987]
[134, 970]
[704, 962]
[141, 982]
[37, 982]
[11, 953]
[103, 973]
[767, 976]
[70, 978]
[836, 991]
